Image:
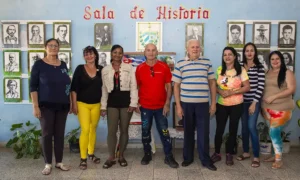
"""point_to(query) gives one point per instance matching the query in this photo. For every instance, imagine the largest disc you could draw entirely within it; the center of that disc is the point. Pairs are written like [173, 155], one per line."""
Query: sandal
[242, 157]
[94, 158]
[277, 164]
[122, 162]
[83, 164]
[255, 164]
[229, 160]
[47, 169]
[269, 159]
[62, 167]
[108, 164]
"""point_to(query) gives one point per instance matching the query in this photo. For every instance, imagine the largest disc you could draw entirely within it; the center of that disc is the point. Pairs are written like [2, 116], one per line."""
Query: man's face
[102, 57]
[287, 34]
[261, 32]
[150, 51]
[11, 58]
[193, 49]
[11, 30]
[63, 58]
[62, 32]
[13, 86]
[235, 34]
[35, 31]
[195, 31]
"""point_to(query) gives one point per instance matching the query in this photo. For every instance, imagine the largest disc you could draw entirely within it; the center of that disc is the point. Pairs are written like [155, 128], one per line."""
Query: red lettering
[169, 13]
[141, 14]
[111, 14]
[133, 13]
[185, 14]
[87, 14]
[192, 13]
[205, 14]
[161, 13]
[103, 11]
[180, 11]
[175, 14]
[97, 14]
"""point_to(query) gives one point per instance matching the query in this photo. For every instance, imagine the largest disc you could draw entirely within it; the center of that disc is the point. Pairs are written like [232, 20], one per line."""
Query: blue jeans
[249, 128]
[162, 128]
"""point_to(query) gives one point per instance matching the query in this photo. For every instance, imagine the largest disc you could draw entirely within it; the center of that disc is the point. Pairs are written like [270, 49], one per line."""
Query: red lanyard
[116, 75]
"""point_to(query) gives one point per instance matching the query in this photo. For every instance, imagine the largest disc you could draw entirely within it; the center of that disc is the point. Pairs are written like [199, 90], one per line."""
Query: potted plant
[73, 140]
[26, 140]
[238, 138]
[264, 138]
[286, 141]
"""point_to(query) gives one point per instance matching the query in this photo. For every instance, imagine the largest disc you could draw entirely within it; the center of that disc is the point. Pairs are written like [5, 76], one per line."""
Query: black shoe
[211, 167]
[186, 163]
[146, 159]
[169, 160]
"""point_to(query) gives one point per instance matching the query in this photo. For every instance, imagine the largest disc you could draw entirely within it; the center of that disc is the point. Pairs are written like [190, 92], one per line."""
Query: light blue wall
[124, 34]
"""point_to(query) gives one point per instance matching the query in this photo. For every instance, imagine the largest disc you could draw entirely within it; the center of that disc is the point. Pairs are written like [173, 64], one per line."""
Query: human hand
[179, 111]
[212, 109]
[269, 99]
[166, 110]
[75, 109]
[251, 109]
[137, 109]
[131, 109]
[37, 112]
[103, 113]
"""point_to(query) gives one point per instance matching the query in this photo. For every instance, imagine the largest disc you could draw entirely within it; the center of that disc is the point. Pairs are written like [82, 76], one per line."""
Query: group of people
[118, 90]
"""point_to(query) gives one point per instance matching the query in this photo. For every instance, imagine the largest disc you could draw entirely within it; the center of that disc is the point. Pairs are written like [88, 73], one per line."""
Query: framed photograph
[287, 34]
[12, 87]
[148, 32]
[11, 34]
[263, 57]
[33, 56]
[65, 56]
[62, 32]
[177, 122]
[104, 58]
[289, 58]
[240, 55]
[195, 31]
[36, 34]
[262, 34]
[12, 63]
[137, 58]
[103, 36]
[236, 34]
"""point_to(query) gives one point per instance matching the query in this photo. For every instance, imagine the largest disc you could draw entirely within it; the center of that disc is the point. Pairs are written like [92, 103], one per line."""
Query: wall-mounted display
[287, 34]
[62, 32]
[195, 31]
[263, 57]
[148, 32]
[103, 36]
[12, 89]
[262, 34]
[36, 34]
[33, 56]
[104, 58]
[236, 34]
[11, 34]
[289, 58]
[12, 63]
[65, 56]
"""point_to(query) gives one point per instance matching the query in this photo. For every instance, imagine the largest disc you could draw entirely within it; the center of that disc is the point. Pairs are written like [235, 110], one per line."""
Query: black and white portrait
[103, 36]
[11, 34]
[194, 31]
[261, 34]
[65, 57]
[104, 58]
[236, 34]
[289, 59]
[36, 34]
[240, 56]
[11, 62]
[12, 88]
[287, 34]
[62, 34]
[33, 56]
[263, 57]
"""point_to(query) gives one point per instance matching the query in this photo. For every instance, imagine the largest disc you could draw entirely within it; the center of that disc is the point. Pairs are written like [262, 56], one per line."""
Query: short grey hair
[191, 40]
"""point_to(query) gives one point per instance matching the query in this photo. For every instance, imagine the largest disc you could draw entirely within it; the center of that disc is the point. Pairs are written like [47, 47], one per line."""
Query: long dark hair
[90, 49]
[48, 41]
[116, 46]
[255, 60]
[290, 58]
[282, 71]
[236, 65]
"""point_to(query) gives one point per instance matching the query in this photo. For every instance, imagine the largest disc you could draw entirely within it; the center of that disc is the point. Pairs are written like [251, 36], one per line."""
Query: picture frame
[177, 122]
[287, 34]
[263, 57]
[66, 56]
[103, 36]
[195, 31]
[289, 58]
[62, 32]
[236, 34]
[240, 55]
[11, 35]
[12, 89]
[104, 58]
[36, 34]
[149, 32]
[12, 63]
[32, 57]
[261, 34]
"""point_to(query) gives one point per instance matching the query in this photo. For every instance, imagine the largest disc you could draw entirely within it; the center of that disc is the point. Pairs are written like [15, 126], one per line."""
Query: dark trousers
[162, 128]
[196, 115]
[53, 125]
[223, 112]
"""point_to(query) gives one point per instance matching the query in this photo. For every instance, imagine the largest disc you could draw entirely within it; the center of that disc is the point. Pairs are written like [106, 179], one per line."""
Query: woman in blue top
[49, 89]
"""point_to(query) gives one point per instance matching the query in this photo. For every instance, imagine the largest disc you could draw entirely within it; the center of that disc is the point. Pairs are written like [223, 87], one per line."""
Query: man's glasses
[152, 71]
[52, 46]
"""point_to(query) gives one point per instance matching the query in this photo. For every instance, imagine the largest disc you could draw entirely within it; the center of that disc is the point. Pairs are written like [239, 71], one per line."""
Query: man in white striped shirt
[194, 80]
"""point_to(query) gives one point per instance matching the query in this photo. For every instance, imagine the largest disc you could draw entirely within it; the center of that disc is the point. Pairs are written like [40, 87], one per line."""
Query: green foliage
[285, 136]
[72, 136]
[25, 141]
[226, 136]
[263, 130]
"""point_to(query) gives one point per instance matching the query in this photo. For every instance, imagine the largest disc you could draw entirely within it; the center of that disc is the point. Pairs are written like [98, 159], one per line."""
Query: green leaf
[28, 123]
[16, 126]
[11, 142]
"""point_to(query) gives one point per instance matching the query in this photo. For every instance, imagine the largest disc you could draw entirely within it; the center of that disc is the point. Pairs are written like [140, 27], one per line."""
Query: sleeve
[75, 79]
[260, 84]
[137, 76]
[35, 77]
[211, 74]
[168, 74]
[177, 75]
[133, 89]
[244, 75]
[104, 96]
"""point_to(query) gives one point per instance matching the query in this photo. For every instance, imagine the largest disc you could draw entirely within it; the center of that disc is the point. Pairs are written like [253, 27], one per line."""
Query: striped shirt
[256, 76]
[193, 76]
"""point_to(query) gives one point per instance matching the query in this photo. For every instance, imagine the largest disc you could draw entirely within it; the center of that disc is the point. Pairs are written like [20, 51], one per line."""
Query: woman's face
[286, 59]
[249, 52]
[275, 61]
[89, 57]
[52, 48]
[117, 54]
[228, 57]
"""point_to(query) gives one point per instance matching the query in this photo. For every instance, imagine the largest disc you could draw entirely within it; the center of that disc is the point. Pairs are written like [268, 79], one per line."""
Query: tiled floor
[30, 169]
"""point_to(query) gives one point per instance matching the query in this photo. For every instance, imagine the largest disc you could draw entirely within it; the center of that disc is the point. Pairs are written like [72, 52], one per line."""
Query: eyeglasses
[152, 71]
[52, 46]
